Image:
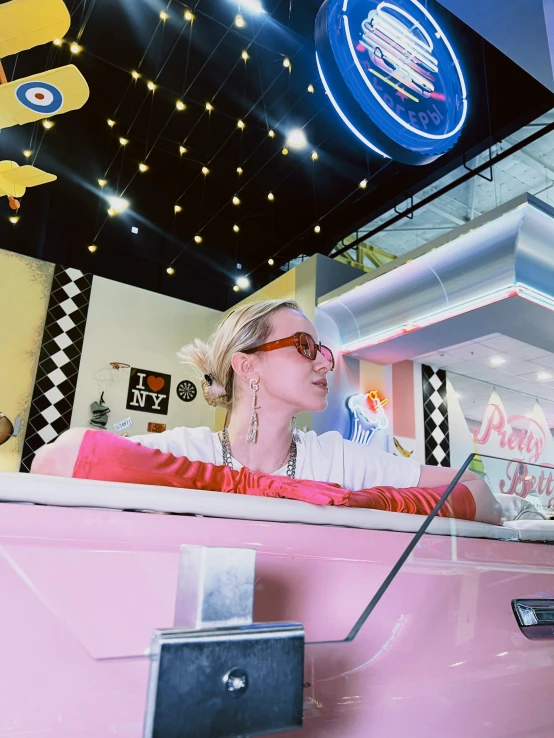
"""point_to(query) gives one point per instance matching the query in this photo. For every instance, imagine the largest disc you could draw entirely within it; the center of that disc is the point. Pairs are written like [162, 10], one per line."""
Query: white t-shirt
[325, 458]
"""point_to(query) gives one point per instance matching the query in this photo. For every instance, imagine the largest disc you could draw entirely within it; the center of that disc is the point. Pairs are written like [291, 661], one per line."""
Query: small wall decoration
[122, 425]
[186, 391]
[368, 416]
[148, 391]
[400, 446]
[156, 427]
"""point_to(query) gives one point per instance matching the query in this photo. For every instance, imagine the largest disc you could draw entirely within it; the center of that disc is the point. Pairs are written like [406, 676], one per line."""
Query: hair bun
[213, 390]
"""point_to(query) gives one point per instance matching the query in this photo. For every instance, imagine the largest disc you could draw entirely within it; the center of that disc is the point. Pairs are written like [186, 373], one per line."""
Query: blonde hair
[243, 329]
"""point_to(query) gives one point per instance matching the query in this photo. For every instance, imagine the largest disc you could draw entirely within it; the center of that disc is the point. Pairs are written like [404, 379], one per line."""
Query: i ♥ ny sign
[148, 391]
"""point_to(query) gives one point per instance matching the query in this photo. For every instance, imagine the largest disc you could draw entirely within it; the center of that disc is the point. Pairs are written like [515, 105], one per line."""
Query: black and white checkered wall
[60, 356]
[435, 416]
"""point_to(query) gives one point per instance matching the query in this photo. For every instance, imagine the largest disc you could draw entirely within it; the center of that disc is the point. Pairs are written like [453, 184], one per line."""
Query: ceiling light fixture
[170, 271]
[135, 74]
[297, 139]
[245, 55]
[151, 86]
[102, 182]
[271, 134]
[143, 167]
[239, 21]
[317, 229]
[205, 171]
[47, 124]
[270, 262]
[240, 170]
[243, 283]
[111, 122]
[235, 288]
[189, 15]
[236, 228]
[92, 248]
[497, 360]
[236, 200]
[14, 219]
[180, 105]
[286, 63]
[363, 184]
[57, 42]
[544, 376]
[163, 15]
[75, 48]
[198, 238]
[241, 124]
[315, 156]
[118, 204]
[253, 6]
[177, 208]
[123, 141]
[271, 196]
[311, 89]
[27, 153]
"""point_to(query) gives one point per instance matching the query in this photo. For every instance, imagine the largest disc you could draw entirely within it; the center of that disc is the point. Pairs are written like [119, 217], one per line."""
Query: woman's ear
[245, 366]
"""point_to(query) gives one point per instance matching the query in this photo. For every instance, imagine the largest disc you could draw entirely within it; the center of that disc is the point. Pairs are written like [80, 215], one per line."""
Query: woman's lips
[322, 385]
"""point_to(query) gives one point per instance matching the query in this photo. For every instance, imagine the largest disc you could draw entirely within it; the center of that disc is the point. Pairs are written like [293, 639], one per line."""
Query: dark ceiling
[196, 63]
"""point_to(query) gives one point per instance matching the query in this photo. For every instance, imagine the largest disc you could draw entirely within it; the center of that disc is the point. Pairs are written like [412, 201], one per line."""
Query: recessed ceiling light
[544, 376]
[134, 230]
[497, 360]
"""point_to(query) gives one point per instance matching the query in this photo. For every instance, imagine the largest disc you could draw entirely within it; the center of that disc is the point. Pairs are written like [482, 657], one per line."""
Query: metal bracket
[216, 674]
[469, 169]
[411, 215]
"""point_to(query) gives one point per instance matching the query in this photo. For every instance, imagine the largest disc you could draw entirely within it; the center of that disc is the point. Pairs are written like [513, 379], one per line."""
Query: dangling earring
[252, 436]
[297, 438]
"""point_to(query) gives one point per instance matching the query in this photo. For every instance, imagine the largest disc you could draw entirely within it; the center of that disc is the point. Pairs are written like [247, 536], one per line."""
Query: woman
[263, 365]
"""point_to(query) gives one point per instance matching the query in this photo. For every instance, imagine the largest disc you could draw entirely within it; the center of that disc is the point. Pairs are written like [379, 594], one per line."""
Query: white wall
[143, 329]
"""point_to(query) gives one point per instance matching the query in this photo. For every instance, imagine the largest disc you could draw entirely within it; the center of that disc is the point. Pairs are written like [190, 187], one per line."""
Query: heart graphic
[155, 383]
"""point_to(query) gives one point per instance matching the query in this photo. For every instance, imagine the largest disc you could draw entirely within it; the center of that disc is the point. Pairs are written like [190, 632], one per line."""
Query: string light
[135, 74]
[245, 55]
[189, 15]
[143, 167]
[243, 283]
[311, 89]
[123, 141]
[209, 107]
[241, 124]
[239, 21]
[47, 124]
[27, 153]
[75, 48]
[315, 156]
[118, 204]
[286, 63]
[14, 219]
[163, 15]
[236, 228]
[317, 229]
[57, 42]
[205, 171]
[151, 86]
[270, 262]
[363, 184]
[111, 122]
[285, 151]
[240, 170]
[198, 239]
[182, 150]
[253, 6]
[177, 208]
[92, 248]
[297, 139]
[271, 134]
[111, 212]
[180, 105]
[170, 271]
[271, 196]
[235, 288]
[236, 200]
[102, 182]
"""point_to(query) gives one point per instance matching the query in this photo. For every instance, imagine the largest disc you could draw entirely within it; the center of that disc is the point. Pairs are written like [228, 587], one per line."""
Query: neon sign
[392, 76]
[368, 416]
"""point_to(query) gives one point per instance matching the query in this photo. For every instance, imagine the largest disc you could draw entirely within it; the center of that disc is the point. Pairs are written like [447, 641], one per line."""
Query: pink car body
[84, 587]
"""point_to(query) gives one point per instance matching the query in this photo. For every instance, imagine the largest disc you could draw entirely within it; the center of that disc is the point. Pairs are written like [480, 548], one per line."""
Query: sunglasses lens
[307, 346]
[328, 354]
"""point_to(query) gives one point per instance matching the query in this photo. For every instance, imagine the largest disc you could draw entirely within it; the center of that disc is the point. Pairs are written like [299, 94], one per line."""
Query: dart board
[186, 391]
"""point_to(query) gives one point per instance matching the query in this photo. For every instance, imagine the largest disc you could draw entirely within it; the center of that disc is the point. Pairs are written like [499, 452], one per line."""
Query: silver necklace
[228, 459]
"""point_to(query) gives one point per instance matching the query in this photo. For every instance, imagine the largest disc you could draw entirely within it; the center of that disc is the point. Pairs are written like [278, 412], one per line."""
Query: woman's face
[288, 377]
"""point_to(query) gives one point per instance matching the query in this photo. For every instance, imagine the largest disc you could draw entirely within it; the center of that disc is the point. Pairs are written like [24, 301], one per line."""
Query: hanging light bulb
[75, 48]
[297, 139]
[118, 204]
[205, 171]
[271, 196]
[243, 283]
[180, 105]
[315, 156]
[198, 238]
[151, 86]
[240, 171]
[182, 150]
[363, 184]
[270, 262]
[102, 182]
[245, 55]
[239, 21]
[317, 229]
[286, 63]
[235, 288]
[311, 89]
[123, 141]
[285, 151]
[47, 124]
[209, 107]
[170, 271]
[57, 42]
[111, 212]
[143, 167]
[135, 74]
[271, 134]
[236, 200]
[111, 122]
[92, 248]
[177, 208]
[189, 15]
[241, 124]
[27, 153]
[163, 15]
[236, 228]
[253, 6]
[14, 219]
